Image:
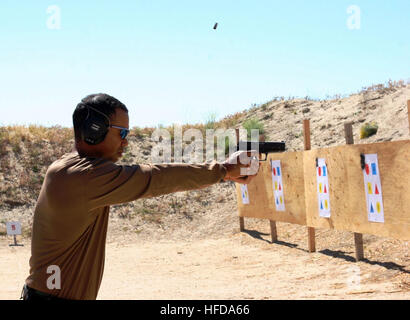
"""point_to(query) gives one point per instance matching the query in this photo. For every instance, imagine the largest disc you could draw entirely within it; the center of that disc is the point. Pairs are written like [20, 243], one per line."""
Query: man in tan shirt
[71, 214]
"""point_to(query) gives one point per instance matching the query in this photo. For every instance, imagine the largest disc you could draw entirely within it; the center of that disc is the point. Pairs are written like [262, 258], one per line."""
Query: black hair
[100, 101]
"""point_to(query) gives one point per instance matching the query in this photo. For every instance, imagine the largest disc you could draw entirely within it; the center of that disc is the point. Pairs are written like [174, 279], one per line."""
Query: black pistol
[261, 147]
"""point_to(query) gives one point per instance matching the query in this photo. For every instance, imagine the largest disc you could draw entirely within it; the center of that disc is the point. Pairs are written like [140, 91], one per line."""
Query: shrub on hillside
[368, 129]
[253, 124]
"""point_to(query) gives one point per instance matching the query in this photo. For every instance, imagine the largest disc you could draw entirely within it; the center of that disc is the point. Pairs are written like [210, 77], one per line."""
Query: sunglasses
[123, 131]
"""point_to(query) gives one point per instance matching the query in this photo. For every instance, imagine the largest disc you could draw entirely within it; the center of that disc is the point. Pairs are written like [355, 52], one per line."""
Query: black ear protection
[95, 126]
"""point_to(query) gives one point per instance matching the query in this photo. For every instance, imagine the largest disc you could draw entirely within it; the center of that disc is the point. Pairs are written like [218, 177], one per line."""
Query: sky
[167, 64]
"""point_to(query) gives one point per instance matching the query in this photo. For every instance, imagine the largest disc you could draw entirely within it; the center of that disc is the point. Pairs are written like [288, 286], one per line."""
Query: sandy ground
[237, 266]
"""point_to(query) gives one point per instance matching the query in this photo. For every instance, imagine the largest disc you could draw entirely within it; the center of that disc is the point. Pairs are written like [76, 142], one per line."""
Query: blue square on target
[278, 171]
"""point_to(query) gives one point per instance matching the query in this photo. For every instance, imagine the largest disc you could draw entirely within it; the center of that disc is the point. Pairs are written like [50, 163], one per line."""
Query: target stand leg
[15, 244]
[273, 232]
[241, 224]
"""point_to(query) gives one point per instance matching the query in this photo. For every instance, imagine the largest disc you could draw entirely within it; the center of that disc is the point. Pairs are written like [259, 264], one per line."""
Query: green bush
[210, 122]
[228, 143]
[253, 124]
[368, 129]
[264, 106]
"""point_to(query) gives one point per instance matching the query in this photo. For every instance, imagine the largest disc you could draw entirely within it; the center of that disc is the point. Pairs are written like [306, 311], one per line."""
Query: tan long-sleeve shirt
[71, 215]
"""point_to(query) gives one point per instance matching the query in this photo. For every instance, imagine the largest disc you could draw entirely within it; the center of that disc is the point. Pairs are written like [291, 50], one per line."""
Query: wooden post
[241, 224]
[358, 244]
[237, 135]
[306, 133]
[273, 233]
[311, 230]
[241, 219]
[349, 133]
[358, 237]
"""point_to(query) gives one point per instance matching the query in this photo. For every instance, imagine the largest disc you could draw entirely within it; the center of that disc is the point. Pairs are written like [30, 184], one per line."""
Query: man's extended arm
[108, 183]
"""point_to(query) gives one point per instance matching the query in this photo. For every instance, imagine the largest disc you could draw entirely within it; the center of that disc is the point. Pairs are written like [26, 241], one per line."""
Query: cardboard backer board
[261, 196]
[347, 191]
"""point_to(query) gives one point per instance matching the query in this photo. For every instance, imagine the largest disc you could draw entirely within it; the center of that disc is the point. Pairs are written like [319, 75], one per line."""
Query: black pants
[30, 294]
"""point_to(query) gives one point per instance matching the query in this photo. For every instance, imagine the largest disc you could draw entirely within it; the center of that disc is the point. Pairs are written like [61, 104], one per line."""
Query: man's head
[97, 121]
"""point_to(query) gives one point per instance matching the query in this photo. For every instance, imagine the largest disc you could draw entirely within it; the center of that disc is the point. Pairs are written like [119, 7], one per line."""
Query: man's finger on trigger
[239, 179]
[247, 180]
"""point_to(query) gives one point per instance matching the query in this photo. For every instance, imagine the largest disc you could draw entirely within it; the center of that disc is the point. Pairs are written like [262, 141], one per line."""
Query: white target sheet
[244, 194]
[373, 188]
[277, 183]
[323, 188]
[13, 228]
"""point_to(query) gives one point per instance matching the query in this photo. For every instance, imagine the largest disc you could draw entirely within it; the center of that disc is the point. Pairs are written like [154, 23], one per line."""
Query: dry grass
[141, 133]
[26, 153]
[388, 87]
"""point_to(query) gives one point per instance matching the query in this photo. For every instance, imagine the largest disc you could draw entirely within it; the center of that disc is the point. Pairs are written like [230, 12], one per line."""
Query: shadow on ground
[258, 235]
[342, 255]
[332, 253]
